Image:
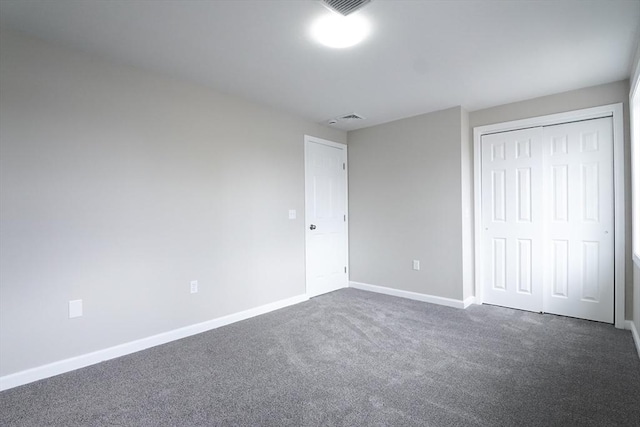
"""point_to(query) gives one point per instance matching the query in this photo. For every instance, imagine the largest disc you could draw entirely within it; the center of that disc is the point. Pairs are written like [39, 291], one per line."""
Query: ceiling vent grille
[346, 118]
[345, 7]
[352, 116]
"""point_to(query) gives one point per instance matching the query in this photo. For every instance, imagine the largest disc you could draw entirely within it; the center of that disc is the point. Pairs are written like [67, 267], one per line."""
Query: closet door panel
[578, 189]
[512, 219]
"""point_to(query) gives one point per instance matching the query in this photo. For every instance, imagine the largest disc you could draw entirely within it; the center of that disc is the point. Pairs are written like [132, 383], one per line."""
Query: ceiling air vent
[352, 116]
[346, 118]
[345, 7]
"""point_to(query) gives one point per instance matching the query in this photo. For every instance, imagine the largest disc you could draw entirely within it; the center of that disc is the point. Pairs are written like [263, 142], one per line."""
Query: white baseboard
[449, 302]
[469, 301]
[73, 363]
[634, 332]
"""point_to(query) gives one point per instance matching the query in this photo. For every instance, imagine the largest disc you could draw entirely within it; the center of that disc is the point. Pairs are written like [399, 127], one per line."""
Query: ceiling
[421, 56]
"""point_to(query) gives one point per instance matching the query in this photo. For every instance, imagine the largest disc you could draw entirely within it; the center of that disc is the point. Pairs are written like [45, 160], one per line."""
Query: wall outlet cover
[416, 264]
[194, 286]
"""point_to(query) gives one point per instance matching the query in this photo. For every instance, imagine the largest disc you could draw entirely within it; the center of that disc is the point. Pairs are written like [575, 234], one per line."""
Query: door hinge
[344, 217]
[344, 167]
[345, 269]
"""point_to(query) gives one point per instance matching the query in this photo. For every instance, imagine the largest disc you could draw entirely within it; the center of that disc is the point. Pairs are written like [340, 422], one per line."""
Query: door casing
[616, 112]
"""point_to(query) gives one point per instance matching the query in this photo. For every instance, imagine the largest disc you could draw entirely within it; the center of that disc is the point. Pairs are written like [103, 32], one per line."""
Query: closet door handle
[312, 227]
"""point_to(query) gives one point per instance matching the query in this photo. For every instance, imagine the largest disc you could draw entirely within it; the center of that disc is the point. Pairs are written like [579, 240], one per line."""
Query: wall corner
[466, 179]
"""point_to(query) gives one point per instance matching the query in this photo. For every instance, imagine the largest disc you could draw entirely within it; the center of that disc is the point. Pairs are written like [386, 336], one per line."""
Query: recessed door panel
[559, 145]
[523, 148]
[497, 151]
[590, 271]
[590, 189]
[523, 257]
[560, 268]
[523, 194]
[559, 189]
[499, 264]
[589, 141]
[498, 195]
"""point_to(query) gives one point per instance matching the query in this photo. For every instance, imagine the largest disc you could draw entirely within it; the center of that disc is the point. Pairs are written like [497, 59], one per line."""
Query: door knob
[312, 227]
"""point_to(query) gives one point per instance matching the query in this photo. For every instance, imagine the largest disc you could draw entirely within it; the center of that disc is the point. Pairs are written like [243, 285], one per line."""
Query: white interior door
[512, 218]
[547, 218]
[579, 277]
[325, 215]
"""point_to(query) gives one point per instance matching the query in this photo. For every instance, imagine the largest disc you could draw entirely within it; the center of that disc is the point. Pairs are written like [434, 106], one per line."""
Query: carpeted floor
[354, 358]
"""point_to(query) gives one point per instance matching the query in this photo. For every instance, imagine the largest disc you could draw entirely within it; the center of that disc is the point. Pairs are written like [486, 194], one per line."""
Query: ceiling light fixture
[339, 31]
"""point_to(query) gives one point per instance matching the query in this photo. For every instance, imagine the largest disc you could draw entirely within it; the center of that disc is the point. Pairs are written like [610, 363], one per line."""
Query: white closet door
[578, 188]
[512, 219]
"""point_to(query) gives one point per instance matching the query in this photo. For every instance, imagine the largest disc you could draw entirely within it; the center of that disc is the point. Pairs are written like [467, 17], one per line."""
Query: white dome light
[339, 31]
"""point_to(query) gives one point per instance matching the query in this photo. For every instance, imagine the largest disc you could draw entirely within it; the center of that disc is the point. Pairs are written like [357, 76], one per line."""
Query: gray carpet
[354, 358]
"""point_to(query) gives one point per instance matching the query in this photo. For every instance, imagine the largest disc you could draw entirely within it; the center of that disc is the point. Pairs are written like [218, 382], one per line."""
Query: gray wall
[611, 93]
[118, 187]
[405, 203]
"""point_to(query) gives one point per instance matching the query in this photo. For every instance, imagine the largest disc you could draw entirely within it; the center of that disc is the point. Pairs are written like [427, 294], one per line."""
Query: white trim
[634, 114]
[73, 363]
[449, 302]
[477, 215]
[551, 119]
[345, 148]
[634, 332]
[619, 211]
[636, 260]
[346, 207]
[468, 302]
[612, 110]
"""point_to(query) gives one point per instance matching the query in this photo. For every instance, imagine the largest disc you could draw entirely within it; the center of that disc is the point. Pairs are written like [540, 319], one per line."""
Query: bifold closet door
[547, 218]
[512, 219]
[579, 201]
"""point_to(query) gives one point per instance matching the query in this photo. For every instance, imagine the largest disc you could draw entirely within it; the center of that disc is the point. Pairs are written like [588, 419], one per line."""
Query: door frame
[615, 111]
[312, 139]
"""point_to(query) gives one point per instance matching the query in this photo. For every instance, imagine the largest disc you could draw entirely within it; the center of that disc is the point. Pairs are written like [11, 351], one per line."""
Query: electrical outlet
[416, 264]
[75, 308]
[292, 214]
[194, 286]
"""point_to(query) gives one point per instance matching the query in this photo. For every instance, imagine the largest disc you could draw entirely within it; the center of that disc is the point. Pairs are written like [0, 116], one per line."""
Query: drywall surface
[119, 187]
[405, 204]
[594, 96]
